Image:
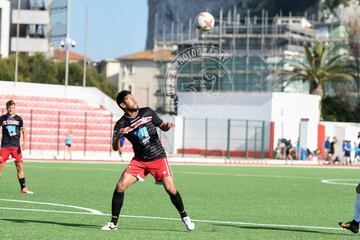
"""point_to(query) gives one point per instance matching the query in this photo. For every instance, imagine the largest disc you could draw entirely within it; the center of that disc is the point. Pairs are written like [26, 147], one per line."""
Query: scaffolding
[258, 46]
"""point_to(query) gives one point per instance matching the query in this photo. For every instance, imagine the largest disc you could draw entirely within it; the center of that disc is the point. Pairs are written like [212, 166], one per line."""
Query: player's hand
[170, 125]
[23, 146]
[166, 126]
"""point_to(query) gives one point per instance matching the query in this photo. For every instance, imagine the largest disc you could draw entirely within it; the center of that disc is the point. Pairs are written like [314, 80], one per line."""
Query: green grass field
[228, 202]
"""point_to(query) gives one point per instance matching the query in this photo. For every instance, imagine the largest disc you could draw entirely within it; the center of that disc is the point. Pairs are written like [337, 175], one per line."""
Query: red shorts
[158, 168]
[15, 152]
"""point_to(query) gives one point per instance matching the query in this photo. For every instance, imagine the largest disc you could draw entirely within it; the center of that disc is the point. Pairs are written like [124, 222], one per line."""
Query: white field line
[93, 211]
[344, 182]
[177, 219]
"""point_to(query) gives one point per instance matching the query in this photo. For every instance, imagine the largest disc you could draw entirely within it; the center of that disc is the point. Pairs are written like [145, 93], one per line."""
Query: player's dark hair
[121, 96]
[10, 103]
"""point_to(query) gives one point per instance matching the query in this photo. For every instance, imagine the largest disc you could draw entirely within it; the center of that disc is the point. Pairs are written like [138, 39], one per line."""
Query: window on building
[130, 69]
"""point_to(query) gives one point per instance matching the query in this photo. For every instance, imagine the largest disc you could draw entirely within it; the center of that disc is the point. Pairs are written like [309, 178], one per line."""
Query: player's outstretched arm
[167, 126]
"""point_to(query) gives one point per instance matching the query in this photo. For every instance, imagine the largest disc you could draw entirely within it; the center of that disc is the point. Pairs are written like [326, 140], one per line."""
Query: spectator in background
[279, 150]
[288, 147]
[68, 143]
[327, 147]
[356, 152]
[357, 148]
[331, 153]
[347, 152]
[343, 150]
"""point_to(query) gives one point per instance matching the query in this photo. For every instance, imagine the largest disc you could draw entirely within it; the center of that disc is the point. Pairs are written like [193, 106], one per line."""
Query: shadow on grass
[78, 225]
[154, 229]
[289, 229]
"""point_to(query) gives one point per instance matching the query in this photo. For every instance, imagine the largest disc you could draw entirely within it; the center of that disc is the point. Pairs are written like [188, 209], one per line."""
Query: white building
[139, 73]
[33, 18]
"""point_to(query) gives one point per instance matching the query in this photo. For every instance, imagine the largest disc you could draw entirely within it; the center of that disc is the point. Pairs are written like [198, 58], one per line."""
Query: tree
[352, 24]
[337, 110]
[38, 68]
[319, 66]
[332, 4]
[42, 70]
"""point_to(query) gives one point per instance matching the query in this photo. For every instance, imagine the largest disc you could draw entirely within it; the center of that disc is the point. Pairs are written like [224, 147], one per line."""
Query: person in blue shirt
[347, 152]
[327, 147]
[68, 143]
[356, 152]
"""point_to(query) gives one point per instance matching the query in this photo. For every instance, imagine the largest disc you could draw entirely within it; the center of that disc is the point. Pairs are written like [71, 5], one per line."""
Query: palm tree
[333, 4]
[318, 67]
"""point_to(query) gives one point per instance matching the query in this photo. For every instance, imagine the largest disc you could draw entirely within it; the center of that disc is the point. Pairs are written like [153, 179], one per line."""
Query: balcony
[30, 44]
[39, 17]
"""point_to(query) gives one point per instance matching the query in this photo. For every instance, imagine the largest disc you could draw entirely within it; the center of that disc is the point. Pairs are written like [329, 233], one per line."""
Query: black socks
[117, 202]
[177, 201]
[118, 199]
[22, 183]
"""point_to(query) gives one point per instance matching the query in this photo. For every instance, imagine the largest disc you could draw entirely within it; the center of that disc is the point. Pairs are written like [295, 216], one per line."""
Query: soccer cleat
[188, 223]
[109, 226]
[26, 191]
[352, 226]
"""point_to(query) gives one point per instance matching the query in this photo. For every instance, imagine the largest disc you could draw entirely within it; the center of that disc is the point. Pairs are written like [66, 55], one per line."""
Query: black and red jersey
[142, 134]
[11, 126]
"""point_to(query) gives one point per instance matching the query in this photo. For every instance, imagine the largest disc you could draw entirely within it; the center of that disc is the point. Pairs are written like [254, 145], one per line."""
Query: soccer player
[12, 130]
[354, 224]
[138, 125]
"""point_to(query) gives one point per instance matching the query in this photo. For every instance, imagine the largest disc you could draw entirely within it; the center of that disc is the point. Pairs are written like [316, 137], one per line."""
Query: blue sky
[115, 27]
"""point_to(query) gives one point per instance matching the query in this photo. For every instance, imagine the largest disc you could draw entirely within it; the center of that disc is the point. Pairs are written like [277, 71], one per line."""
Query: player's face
[11, 109]
[130, 102]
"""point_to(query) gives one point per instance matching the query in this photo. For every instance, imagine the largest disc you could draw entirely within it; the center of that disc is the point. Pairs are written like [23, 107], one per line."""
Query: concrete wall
[5, 28]
[287, 111]
[29, 44]
[284, 109]
[30, 17]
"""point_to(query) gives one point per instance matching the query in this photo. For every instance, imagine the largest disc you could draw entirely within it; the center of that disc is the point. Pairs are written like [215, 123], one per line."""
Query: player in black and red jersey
[139, 125]
[12, 130]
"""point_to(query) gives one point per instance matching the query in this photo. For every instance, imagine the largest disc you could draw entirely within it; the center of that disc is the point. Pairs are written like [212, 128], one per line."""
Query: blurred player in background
[138, 125]
[12, 130]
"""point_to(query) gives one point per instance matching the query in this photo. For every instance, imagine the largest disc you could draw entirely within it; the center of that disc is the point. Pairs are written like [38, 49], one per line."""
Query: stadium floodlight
[67, 43]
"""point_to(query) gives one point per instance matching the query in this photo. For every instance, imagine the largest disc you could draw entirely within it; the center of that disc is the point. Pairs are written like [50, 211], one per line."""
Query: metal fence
[192, 136]
[221, 137]
[90, 131]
